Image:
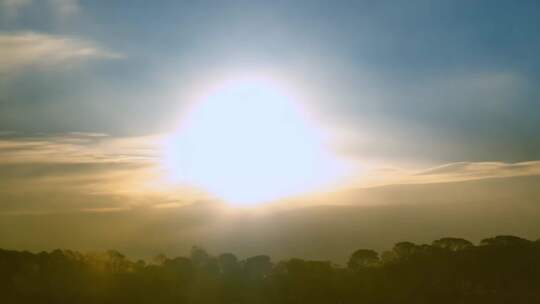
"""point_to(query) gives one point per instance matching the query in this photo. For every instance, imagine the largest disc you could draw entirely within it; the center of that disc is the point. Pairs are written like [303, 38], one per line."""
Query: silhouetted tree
[452, 244]
[505, 240]
[257, 267]
[363, 258]
[404, 250]
[502, 269]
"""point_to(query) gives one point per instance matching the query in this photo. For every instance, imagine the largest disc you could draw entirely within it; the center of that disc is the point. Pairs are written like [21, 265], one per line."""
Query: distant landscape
[501, 269]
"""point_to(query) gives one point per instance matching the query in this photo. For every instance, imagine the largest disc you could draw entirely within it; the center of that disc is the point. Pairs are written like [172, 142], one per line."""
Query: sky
[411, 93]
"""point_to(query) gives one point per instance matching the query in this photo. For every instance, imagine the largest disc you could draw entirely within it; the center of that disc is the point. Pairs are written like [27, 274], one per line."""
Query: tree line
[501, 269]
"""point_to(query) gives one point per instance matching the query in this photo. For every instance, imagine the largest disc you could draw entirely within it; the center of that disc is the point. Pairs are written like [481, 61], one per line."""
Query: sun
[249, 142]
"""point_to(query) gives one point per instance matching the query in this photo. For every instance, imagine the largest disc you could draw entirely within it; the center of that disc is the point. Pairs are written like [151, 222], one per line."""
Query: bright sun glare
[248, 142]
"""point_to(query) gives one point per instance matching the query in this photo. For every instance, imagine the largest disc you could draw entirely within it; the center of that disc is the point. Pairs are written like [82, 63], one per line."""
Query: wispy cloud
[469, 170]
[78, 171]
[61, 8]
[29, 49]
[76, 147]
[452, 172]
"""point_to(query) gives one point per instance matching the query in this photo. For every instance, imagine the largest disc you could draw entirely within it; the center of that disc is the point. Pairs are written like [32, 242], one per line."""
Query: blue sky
[439, 81]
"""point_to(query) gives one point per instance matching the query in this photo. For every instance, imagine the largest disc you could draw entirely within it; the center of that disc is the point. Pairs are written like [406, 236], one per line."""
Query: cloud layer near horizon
[76, 172]
[85, 171]
[109, 193]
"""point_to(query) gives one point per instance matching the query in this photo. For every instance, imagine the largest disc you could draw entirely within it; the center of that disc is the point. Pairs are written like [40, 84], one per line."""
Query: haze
[293, 128]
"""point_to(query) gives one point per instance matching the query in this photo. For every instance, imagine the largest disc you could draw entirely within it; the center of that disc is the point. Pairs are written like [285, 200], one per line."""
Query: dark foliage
[502, 269]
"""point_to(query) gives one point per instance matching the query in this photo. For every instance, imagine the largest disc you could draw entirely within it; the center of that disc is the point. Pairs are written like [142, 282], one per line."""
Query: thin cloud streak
[30, 49]
[452, 172]
[62, 8]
